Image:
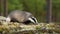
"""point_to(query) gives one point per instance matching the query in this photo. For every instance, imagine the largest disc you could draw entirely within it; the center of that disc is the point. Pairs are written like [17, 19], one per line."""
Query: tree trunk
[1, 8]
[5, 8]
[49, 11]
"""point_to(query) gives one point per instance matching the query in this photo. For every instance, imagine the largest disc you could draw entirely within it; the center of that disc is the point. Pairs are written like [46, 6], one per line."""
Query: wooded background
[43, 10]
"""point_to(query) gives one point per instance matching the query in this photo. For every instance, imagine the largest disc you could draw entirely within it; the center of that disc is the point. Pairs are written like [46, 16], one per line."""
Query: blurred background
[43, 10]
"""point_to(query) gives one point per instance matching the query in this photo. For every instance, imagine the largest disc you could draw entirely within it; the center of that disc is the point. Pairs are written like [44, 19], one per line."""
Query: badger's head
[33, 20]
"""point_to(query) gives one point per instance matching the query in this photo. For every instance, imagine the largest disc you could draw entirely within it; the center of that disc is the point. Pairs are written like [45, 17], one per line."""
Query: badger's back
[20, 16]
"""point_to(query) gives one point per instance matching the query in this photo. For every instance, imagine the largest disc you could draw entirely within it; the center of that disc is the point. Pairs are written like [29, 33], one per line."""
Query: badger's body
[21, 16]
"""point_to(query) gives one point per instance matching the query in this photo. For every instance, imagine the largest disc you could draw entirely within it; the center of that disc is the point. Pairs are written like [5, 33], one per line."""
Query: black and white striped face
[33, 19]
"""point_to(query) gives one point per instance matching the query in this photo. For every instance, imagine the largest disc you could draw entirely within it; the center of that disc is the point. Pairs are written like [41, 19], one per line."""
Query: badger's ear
[8, 19]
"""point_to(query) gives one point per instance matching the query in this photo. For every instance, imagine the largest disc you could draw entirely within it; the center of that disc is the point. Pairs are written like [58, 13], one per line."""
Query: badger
[21, 17]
